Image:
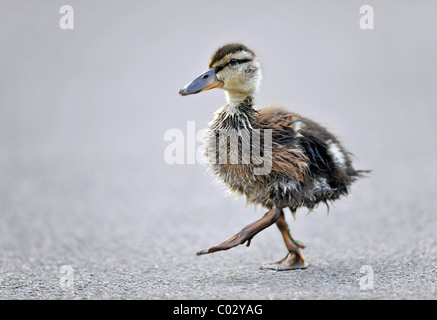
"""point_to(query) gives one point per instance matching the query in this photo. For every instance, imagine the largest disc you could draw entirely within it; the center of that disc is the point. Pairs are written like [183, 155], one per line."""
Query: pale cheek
[234, 82]
[240, 81]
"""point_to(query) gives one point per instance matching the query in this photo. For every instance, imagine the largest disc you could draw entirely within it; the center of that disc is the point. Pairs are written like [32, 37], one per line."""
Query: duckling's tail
[362, 173]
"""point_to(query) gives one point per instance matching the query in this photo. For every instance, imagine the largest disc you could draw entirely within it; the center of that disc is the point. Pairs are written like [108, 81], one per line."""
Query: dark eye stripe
[219, 68]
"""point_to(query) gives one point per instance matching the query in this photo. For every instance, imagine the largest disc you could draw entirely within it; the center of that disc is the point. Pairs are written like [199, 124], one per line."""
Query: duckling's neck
[237, 114]
[237, 98]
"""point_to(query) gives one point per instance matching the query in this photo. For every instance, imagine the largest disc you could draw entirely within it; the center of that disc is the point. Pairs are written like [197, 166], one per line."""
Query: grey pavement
[84, 182]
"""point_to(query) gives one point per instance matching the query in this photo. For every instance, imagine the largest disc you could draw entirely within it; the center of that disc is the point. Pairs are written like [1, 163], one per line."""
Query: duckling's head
[234, 68]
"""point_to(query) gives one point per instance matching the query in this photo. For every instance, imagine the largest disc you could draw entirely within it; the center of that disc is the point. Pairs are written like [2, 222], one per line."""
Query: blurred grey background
[84, 183]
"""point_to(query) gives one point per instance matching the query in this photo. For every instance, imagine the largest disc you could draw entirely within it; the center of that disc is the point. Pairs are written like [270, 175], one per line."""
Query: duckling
[308, 165]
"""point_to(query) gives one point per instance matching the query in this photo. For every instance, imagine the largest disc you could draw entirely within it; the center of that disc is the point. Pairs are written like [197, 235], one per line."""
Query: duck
[274, 157]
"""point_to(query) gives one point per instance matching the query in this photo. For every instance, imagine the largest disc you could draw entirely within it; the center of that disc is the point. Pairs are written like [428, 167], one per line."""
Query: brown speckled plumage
[303, 173]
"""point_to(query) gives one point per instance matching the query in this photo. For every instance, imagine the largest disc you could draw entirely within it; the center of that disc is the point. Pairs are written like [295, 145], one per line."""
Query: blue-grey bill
[207, 80]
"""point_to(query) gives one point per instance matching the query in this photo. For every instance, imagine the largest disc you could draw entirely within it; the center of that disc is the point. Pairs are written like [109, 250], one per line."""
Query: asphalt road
[91, 209]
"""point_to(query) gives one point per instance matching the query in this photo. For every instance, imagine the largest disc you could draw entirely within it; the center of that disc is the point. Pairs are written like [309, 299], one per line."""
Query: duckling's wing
[281, 122]
[303, 147]
[288, 159]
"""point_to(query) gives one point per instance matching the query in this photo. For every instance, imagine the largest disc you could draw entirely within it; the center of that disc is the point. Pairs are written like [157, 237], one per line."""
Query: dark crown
[227, 49]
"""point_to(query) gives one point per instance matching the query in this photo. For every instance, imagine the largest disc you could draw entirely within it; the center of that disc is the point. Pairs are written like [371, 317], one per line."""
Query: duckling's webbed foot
[247, 233]
[291, 261]
[294, 259]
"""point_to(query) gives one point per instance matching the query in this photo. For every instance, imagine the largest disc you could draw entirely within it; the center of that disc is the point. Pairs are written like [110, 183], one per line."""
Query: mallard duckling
[308, 164]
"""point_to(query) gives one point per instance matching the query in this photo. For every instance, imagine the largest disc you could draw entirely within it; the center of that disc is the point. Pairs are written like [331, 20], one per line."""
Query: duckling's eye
[233, 62]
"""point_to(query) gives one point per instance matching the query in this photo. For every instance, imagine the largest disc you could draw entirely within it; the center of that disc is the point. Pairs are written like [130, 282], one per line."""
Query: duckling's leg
[247, 233]
[294, 259]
